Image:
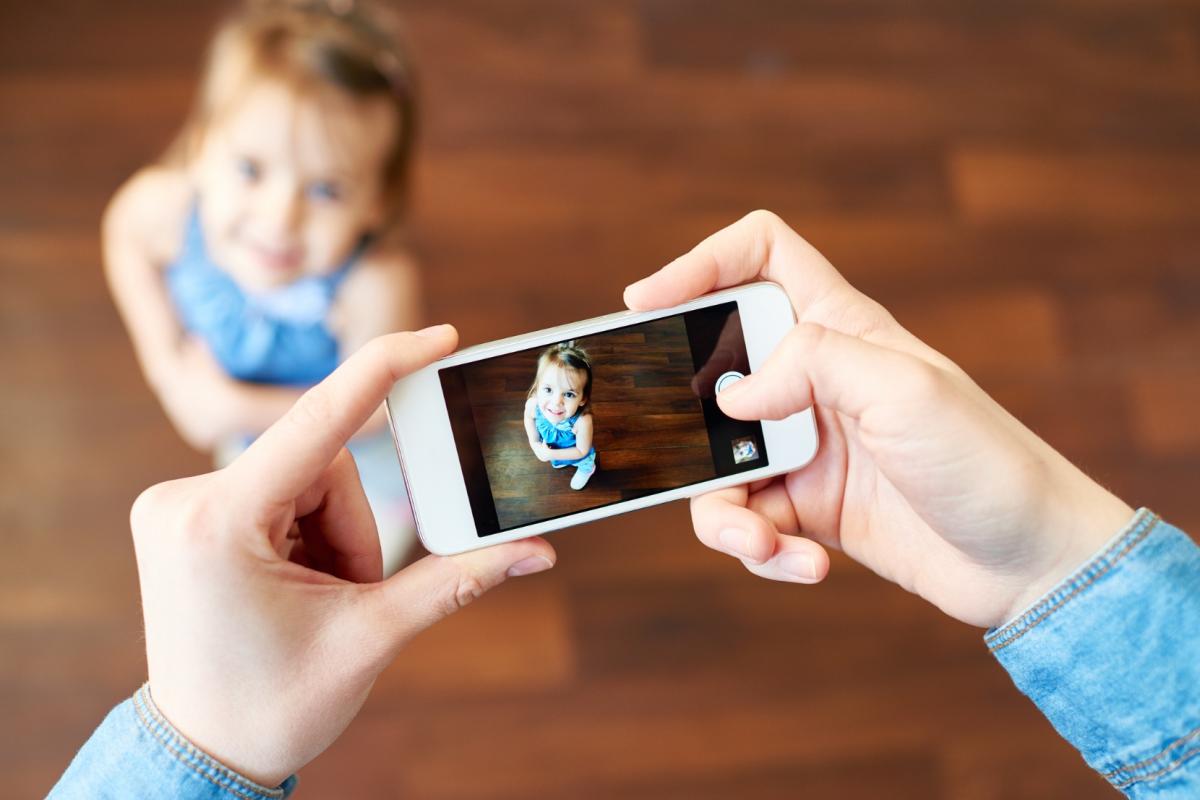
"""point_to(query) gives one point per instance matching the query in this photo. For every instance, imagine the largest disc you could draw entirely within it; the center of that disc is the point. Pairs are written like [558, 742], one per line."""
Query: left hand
[266, 617]
[542, 451]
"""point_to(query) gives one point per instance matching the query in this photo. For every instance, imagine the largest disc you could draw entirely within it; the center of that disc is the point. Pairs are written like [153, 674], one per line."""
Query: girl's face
[289, 183]
[560, 392]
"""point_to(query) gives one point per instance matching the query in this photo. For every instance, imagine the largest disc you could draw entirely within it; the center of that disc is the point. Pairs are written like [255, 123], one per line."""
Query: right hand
[920, 475]
[541, 450]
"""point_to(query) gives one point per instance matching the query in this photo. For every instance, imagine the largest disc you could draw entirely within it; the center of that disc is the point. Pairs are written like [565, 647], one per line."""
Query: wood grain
[1016, 181]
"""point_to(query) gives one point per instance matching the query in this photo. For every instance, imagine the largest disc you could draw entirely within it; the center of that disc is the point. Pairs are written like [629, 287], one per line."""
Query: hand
[541, 450]
[198, 395]
[920, 475]
[266, 619]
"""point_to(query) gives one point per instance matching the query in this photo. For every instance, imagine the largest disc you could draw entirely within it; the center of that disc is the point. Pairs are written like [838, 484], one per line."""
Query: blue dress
[562, 435]
[279, 336]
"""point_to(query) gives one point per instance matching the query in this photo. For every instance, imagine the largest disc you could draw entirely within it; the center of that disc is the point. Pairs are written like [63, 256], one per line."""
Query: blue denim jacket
[1111, 657]
[136, 753]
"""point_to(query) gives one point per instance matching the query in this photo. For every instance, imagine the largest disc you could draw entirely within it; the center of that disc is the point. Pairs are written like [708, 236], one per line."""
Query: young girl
[558, 418]
[262, 249]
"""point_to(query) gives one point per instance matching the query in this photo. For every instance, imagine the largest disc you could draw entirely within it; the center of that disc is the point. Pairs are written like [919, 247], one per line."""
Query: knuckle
[377, 349]
[808, 336]
[178, 507]
[924, 382]
[314, 409]
[145, 509]
[762, 218]
[466, 590]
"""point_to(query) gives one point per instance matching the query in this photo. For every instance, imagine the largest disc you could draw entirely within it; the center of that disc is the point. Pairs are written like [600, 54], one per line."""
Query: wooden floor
[649, 430]
[1018, 182]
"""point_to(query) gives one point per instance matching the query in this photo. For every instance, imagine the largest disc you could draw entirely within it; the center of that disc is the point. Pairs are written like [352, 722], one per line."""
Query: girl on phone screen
[558, 416]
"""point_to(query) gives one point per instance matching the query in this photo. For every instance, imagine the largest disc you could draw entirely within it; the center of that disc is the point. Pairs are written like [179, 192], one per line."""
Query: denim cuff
[136, 752]
[1111, 656]
[196, 760]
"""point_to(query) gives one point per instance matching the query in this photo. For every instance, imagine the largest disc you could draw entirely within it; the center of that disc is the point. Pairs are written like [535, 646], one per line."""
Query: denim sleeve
[1112, 658]
[136, 753]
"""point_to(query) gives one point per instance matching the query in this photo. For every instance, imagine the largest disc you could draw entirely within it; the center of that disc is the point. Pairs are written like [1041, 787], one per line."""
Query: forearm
[136, 752]
[566, 453]
[531, 433]
[141, 299]
[1112, 658]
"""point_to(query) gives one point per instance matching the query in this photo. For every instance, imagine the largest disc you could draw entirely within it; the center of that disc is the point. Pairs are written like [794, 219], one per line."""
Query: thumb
[818, 365]
[436, 586]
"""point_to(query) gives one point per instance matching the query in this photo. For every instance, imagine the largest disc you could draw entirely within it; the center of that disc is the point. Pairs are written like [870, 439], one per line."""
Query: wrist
[202, 754]
[1077, 524]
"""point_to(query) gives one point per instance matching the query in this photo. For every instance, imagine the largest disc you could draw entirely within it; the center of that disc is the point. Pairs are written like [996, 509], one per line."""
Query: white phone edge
[437, 492]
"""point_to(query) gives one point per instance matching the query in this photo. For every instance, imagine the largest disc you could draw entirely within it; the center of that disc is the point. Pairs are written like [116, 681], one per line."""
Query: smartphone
[563, 426]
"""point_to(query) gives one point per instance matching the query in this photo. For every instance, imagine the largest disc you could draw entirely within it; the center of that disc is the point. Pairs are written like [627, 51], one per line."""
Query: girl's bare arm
[146, 213]
[583, 441]
[380, 295]
[536, 444]
[531, 431]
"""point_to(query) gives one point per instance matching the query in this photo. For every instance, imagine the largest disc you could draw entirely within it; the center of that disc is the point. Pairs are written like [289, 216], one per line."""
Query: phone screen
[609, 417]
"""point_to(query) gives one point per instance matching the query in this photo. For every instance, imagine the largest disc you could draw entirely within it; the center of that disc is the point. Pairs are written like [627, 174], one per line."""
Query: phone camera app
[745, 449]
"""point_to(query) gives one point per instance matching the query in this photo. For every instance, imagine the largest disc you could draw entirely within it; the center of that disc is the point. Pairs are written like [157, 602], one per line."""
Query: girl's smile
[559, 393]
[291, 181]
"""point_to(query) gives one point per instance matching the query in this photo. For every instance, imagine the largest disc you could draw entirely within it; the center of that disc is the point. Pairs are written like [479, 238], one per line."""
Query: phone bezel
[420, 423]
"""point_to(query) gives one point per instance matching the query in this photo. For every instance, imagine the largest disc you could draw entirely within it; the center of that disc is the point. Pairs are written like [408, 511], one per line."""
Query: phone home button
[728, 379]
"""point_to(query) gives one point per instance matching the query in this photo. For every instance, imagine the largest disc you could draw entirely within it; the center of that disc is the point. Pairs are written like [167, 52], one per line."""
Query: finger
[759, 246]
[721, 520]
[436, 586]
[795, 560]
[773, 502]
[818, 365]
[337, 527]
[724, 523]
[290, 455]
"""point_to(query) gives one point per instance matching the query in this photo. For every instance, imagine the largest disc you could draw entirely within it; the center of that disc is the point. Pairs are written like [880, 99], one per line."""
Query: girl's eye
[570, 395]
[324, 190]
[545, 390]
[249, 169]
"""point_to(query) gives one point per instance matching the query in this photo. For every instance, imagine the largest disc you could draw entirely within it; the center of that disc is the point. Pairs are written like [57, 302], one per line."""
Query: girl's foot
[581, 476]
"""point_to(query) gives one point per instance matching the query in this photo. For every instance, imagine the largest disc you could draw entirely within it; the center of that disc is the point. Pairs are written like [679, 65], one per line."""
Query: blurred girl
[558, 417]
[262, 249]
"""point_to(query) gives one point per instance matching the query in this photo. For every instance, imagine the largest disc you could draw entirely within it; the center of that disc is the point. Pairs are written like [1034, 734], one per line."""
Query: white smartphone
[571, 424]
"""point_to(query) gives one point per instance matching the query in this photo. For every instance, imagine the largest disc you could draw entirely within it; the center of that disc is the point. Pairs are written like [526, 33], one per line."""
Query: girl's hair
[567, 355]
[351, 45]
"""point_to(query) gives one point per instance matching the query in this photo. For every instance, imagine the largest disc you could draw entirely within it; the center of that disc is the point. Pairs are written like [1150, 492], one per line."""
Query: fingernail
[735, 541]
[528, 566]
[798, 565]
[432, 330]
[737, 387]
